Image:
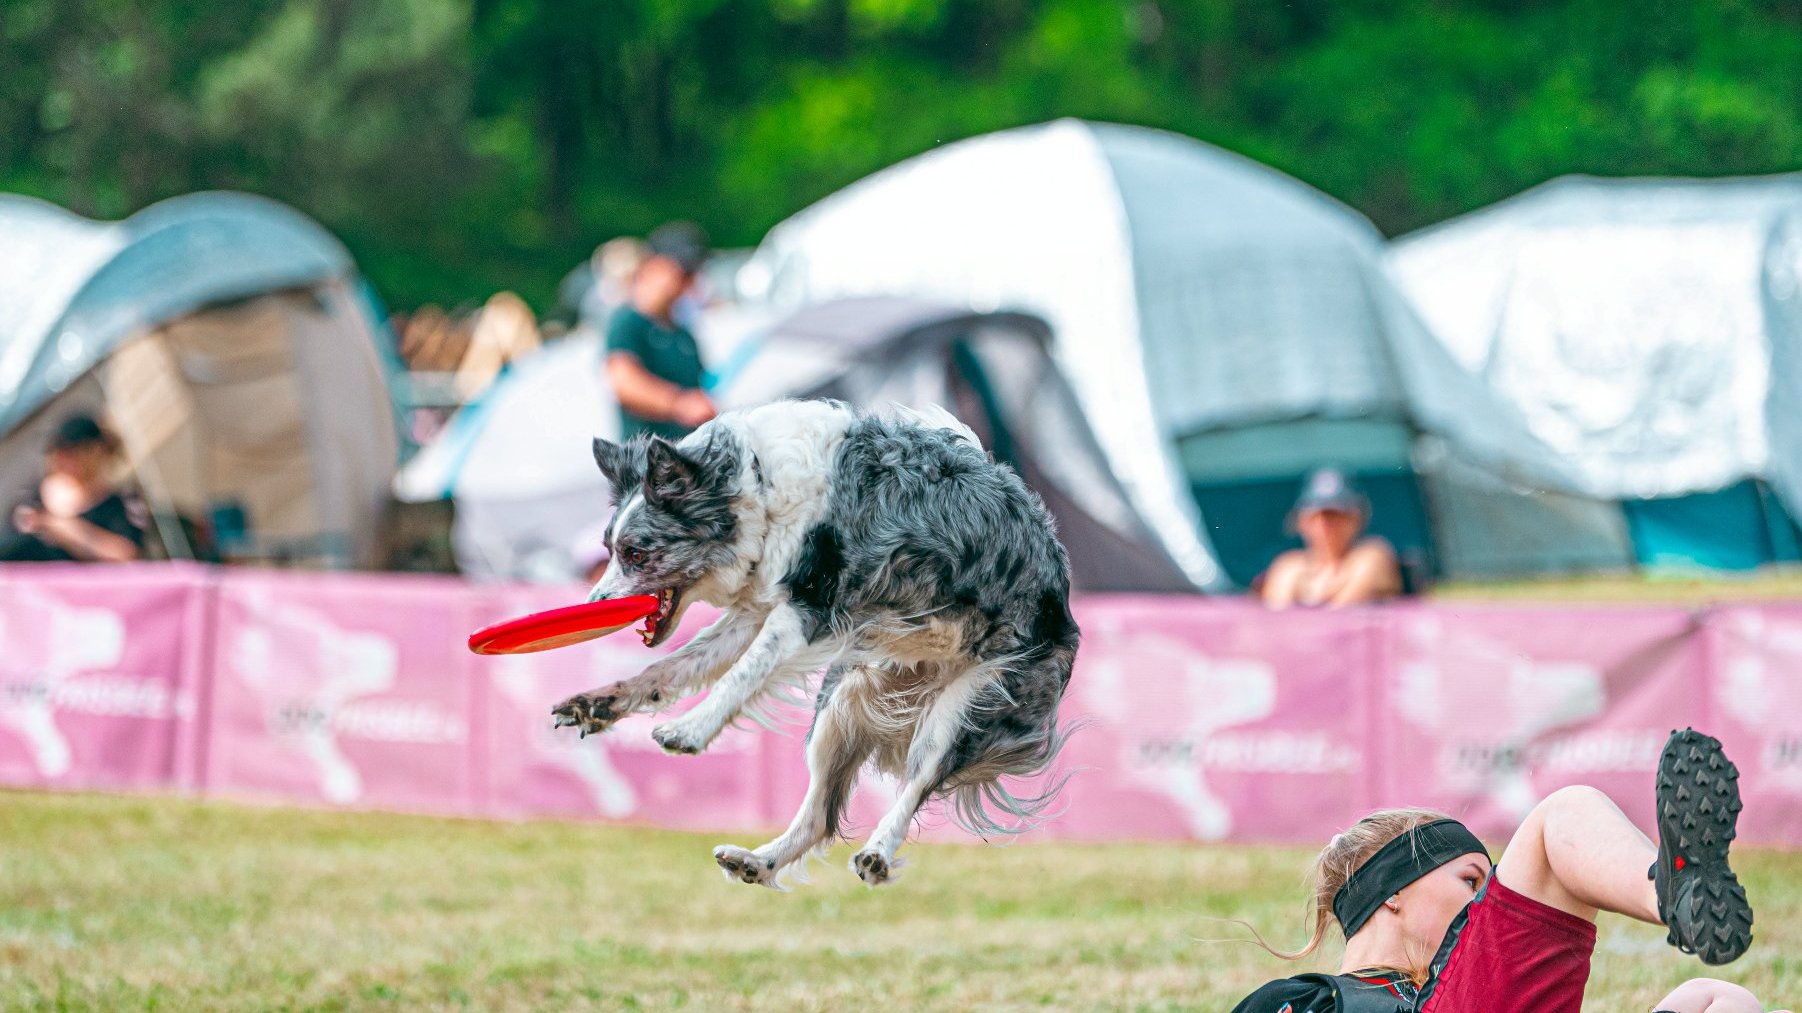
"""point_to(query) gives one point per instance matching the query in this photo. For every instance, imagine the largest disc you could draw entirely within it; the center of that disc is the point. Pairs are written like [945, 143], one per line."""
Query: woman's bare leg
[1706, 995]
[1577, 852]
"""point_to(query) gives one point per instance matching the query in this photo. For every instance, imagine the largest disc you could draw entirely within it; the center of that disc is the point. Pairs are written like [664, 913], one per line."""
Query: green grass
[129, 903]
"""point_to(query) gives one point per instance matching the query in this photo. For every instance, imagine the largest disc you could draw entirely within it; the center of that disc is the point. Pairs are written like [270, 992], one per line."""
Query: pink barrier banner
[101, 676]
[1204, 719]
[1217, 722]
[346, 691]
[1490, 708]
[1756, 660]
[621, 775]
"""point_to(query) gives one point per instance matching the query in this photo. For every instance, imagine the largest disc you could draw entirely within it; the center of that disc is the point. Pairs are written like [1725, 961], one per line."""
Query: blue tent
[233, 346]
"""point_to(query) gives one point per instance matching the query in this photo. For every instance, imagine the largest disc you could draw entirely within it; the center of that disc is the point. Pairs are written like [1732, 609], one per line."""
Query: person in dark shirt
[653, 362]
[76, 514]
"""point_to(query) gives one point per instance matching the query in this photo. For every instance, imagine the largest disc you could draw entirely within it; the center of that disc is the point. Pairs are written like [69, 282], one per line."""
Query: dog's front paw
[745, 866]
[677, 737]
[590, 713]
[871, 866]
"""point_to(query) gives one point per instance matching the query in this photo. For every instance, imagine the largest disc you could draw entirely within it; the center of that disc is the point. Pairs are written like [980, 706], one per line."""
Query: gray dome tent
[227, 338]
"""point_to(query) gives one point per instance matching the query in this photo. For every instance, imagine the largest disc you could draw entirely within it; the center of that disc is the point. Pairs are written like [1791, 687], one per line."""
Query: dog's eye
[635, 556]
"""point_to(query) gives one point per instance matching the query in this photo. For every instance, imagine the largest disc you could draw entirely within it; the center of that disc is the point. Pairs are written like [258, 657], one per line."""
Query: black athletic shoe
[1699, 897]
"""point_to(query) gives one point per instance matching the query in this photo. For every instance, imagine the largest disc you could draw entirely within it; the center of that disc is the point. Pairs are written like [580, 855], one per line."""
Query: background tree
[461, 146]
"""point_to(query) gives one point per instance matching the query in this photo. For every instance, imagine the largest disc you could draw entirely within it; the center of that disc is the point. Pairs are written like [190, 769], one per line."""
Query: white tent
[228, 339]
[1646, 329]
[1194, 295]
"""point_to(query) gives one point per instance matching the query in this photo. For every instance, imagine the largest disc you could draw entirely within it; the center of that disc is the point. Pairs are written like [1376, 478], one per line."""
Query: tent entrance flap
[212, 413]
[1741, 527]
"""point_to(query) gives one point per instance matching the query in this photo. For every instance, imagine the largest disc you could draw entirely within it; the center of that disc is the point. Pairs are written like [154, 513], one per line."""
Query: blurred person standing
[1335, 566]
[77, 513]
[653, 362]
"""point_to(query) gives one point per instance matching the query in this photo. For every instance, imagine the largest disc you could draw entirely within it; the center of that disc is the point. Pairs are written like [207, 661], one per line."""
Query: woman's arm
[649, 396]
[1371, 574]
[85, 540]
[1278, 591]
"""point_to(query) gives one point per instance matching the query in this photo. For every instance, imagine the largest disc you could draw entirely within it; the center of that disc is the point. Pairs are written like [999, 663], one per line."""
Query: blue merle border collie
[889, 552]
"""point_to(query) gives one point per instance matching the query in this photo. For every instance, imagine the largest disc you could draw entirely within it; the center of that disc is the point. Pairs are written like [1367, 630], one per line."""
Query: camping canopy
[228, 339]
[1217, 319]
[527, 491]
[1647, 331]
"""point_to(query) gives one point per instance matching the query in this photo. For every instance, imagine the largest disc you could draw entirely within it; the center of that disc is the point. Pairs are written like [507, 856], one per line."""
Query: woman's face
[1427, 906]
[1329, 532]
[84, 462]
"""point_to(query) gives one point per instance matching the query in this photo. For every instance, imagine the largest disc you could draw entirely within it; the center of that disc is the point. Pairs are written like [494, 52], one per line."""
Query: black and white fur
[892, 553]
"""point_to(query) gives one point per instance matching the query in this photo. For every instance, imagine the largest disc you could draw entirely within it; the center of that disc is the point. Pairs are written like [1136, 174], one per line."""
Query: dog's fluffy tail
[981, 801]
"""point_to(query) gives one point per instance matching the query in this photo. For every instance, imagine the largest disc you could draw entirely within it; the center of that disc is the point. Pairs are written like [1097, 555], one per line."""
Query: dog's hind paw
[745, 866]
[871, 867]
[590, 713]
[676, 737]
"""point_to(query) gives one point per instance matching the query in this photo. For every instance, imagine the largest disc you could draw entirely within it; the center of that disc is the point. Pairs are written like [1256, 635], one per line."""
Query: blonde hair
[1344, 855]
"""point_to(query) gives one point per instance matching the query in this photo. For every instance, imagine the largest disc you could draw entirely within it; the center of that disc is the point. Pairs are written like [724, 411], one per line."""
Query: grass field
[116, 903]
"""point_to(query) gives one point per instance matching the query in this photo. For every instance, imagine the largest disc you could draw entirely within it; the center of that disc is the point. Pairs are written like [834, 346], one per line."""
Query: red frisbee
[562, 627]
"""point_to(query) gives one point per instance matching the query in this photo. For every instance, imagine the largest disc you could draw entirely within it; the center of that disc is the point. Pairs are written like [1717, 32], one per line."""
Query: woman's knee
[1577, 797]
[1708, 995]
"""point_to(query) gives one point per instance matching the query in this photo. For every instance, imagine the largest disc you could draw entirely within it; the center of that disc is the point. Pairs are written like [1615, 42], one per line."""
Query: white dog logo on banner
[310, 672]
[1759, 689]
[1516, 699]
[79, 640]
[518, 678]
[1217, 694]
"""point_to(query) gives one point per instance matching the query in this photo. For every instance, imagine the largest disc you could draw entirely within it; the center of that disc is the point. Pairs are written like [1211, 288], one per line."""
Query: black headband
[1396, 865]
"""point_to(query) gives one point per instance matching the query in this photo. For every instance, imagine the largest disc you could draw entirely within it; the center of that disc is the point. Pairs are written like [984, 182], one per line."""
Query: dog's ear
[669, 475]
[621, 463]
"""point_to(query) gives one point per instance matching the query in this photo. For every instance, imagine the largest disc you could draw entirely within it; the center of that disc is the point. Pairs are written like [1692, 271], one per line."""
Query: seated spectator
[1335, 566]
[77, 513]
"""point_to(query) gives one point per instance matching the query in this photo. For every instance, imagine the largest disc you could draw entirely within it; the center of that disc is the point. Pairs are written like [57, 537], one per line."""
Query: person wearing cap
[77, 514]
[653, 362]
[1336, 566]
[1431, 926]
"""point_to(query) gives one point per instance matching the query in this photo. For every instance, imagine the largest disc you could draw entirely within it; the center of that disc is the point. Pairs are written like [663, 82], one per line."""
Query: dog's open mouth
[659, 624]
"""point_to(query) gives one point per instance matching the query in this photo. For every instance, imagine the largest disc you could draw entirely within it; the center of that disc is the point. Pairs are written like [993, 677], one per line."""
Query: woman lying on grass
[1430, 927]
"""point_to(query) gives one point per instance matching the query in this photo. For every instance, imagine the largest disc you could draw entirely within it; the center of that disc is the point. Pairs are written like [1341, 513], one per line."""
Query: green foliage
[465, 145]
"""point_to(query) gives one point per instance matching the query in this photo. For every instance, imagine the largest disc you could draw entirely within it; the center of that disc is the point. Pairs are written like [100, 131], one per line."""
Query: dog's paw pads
[745, 866]
[589, 713]
[871, 867]
[674, 738]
